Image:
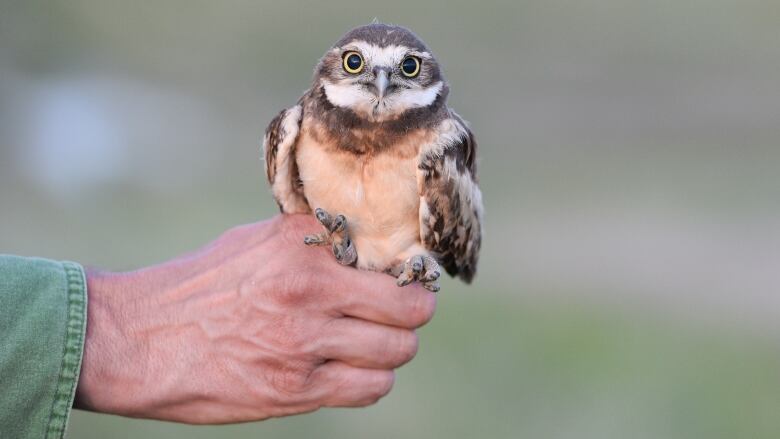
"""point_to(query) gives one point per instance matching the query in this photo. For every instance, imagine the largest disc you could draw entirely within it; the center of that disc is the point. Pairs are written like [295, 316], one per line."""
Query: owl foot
[336, 234]
[420, 268]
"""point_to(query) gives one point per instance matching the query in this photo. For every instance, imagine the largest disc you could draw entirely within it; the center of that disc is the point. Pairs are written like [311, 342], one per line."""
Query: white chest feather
[377, 194]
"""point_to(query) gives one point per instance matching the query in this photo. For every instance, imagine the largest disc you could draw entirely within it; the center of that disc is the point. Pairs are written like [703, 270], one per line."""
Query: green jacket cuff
[75, 331]
[43, 317]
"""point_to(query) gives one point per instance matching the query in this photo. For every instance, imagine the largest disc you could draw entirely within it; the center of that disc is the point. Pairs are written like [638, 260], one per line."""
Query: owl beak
[381, 83]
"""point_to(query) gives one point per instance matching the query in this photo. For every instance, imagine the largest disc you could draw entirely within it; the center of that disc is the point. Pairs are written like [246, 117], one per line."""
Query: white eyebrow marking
[384, 56]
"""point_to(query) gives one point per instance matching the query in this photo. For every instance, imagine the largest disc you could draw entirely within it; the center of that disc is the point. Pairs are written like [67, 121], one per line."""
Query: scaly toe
[318, 239]
[336, 235]
[339, 223]
[432, 286]
[410, 271]
[323, 217]
[406, 277]
[417, 265]
[345, 252]
[431, 276]
[402, 282]
[432, 272]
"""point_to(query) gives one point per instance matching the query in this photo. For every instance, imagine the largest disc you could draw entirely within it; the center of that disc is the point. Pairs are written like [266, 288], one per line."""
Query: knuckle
[290, 380]
[382, 386]
[423, 309]
[296, 288]
[282, 291]
[409, 343]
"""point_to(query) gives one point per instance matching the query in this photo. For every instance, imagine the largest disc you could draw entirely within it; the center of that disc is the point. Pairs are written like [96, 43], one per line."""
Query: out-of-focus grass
[493, 366]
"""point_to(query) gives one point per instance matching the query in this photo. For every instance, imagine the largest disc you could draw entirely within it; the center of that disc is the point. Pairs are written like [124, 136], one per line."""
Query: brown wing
[280, 167]
[450, 199]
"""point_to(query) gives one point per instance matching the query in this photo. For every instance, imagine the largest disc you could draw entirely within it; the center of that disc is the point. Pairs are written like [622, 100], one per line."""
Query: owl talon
[424, 269]
[431, 276]
[336, 234]
[432, 271]
[339, 223]
[315, 240]
[417, 265]
[402, 282]
[432, 286]
[323, 217]
[345, 253]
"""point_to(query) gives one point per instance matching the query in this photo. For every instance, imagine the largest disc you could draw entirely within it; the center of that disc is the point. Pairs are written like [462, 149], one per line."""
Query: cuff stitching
[74, 347]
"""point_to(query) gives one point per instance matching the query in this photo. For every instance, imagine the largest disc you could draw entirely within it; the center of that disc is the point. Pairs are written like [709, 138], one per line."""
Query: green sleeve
[43, 316]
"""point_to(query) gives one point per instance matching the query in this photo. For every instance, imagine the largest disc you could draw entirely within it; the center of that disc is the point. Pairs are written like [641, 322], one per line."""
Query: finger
[347, 386]
[375, 297]
[365, 344]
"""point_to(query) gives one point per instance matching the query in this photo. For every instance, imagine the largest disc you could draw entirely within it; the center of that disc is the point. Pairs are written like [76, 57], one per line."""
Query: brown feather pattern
[288, 194]
[451, 218]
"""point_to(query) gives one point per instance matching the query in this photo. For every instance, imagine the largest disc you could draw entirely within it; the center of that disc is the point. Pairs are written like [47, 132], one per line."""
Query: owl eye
[410, 66]
[353, 62]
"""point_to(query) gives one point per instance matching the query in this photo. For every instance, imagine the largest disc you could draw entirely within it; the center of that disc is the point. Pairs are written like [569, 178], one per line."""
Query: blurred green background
[629, 159]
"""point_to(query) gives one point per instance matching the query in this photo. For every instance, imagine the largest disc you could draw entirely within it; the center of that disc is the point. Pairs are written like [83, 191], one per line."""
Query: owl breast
[377, 192]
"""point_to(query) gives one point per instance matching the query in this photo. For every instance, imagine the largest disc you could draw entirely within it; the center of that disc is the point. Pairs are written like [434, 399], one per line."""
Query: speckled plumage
[395, 161]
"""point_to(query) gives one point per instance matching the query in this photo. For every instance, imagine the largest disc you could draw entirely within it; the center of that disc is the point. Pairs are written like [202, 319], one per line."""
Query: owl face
[380, 72]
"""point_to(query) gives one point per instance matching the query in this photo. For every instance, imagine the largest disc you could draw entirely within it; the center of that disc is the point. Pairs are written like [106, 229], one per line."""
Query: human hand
[252, 326]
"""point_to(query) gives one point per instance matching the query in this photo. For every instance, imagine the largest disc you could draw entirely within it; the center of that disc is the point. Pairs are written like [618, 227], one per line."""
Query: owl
[387, 168]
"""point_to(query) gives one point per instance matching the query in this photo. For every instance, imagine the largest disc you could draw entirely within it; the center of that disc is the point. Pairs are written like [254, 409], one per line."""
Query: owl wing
[280, 166]
[450, 199]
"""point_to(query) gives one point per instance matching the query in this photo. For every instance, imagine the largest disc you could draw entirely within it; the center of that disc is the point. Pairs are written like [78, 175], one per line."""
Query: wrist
[111, 368]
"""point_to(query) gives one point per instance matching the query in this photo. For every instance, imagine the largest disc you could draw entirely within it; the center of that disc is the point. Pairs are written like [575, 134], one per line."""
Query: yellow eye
[353, 62]
[410, 66]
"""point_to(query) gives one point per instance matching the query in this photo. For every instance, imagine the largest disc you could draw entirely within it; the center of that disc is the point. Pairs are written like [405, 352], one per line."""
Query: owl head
[380, 72]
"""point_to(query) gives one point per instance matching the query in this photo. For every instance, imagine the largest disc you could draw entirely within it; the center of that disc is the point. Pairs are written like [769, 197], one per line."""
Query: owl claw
[339, 223]
[315, 240]
[431, 276]
[432, 286]
[336, 233]
[323, 217]
[404, 282]
[417, 265]
[424, 269]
